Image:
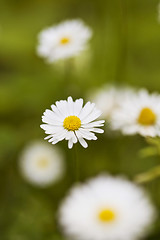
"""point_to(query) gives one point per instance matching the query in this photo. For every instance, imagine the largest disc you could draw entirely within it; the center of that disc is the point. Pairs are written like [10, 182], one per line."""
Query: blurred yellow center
[146, 117]
[64, 40]
[72, 123]
[42, 163]
[106, 215]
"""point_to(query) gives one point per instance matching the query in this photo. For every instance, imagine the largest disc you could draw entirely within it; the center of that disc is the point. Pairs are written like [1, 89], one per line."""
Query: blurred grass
[124, 49]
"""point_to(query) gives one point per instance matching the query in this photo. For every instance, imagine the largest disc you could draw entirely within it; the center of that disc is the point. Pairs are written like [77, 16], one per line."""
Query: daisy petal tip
[42, 126]
[70, 99]
[70, 146]
[83, 142]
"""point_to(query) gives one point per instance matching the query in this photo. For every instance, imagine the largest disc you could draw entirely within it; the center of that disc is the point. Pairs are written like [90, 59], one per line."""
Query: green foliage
[124, 50]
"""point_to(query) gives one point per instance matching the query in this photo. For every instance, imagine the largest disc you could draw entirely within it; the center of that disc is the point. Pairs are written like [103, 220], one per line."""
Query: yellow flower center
[146, 117]
[64, 40]
[72, 123]
[106, 215]
[42, 163]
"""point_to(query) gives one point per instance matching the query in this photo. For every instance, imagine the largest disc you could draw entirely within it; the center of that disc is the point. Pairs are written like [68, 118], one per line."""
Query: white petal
[53, 115]
[60, 135]
[78, 106]
[92, 116]
[83, 142]
[49, 136]
[87, 109]
[96, 130]
[70, 106]
[49, 129]
[70, 99]
[55, 141]
[86, 134]
[70, 143]
[94, 124]
[73, 136]
[51, 121]
[61, 105]
[68, 135]
[57, 112]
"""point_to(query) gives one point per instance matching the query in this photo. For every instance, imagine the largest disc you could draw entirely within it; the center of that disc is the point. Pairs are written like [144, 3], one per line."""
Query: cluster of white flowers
[129, 110]
[106, 208]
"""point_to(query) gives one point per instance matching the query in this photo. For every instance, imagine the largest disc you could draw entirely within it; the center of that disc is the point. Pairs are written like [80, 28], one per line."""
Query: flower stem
[148, 176]
[76, 164]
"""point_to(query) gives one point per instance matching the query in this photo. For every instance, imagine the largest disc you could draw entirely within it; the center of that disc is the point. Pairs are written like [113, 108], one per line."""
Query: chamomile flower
[138, 114]
[106, 208]
[71, 121]
[108, 98]
[41, 164]
[64, 40]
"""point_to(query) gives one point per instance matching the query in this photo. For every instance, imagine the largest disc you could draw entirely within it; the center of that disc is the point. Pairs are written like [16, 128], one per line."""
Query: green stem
[148, 176]
[76, 163]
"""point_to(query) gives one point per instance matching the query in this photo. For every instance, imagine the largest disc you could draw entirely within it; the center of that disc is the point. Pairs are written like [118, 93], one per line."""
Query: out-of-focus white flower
[106, 208]
[138, 114]
[108, 98]
[64, 40]
[41, 164]
[71, 121]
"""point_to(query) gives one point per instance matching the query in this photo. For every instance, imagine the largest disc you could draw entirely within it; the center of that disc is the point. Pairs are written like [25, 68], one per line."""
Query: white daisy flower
[71, 121]
[138, 114]
[41, 164]
[106, 208]
[108, 98]
[64, 40]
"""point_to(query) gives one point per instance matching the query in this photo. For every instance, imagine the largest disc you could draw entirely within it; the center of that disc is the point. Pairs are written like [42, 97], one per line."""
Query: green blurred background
[125, 49]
